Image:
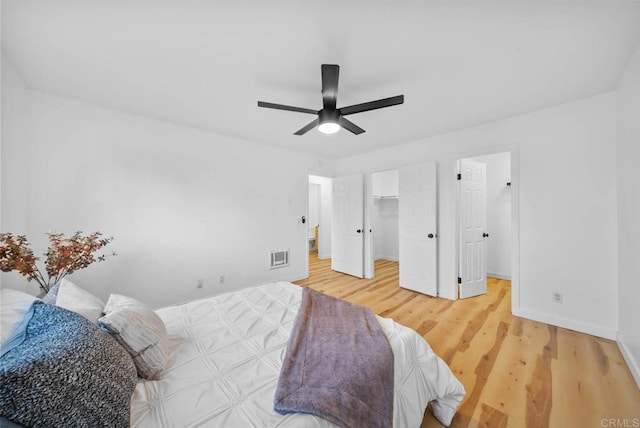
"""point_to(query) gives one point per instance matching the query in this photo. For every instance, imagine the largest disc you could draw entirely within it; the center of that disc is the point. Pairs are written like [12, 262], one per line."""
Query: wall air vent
[279, 258]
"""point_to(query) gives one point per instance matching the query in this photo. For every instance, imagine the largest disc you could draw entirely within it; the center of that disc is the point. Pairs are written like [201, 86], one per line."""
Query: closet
[384, 221]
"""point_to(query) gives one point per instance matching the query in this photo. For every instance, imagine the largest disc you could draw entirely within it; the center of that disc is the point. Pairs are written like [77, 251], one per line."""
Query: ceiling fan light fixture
[329, 127]
[329, 121]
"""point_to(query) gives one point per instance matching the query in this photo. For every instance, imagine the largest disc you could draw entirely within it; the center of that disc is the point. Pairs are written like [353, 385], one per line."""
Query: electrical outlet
[557, 297]
[221, 279]
[200, 283]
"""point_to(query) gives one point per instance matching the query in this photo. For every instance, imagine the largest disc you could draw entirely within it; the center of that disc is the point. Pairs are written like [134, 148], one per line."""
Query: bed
[224, 359]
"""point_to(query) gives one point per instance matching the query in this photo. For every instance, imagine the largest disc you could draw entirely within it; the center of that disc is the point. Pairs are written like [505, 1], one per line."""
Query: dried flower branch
[64, 256]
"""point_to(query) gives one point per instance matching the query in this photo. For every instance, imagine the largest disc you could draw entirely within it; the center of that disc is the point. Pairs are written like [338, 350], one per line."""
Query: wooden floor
[517, 373]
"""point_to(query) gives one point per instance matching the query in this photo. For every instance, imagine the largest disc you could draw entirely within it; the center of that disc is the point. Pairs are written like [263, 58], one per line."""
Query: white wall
[183, 204]
[567, 235]
[629, 214]
[14, 180]
[498, 214]
[326, 210]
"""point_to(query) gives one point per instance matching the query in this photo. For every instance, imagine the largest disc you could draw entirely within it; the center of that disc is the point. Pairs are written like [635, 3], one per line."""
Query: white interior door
[348, 221]
[473, 228]
[417, 228]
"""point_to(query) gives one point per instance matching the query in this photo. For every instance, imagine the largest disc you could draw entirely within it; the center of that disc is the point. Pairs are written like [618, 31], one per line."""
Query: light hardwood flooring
[517, 372]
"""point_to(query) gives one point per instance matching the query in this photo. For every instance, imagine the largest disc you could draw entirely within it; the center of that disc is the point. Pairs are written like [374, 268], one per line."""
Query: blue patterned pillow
[59, 369]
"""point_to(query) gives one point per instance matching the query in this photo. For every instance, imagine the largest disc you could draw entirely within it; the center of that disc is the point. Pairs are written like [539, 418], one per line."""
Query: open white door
[417, 228]
[473, 224]
[348, 221]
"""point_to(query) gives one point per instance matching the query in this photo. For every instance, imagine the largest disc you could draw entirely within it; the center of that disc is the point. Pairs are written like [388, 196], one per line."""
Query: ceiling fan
[330, 119]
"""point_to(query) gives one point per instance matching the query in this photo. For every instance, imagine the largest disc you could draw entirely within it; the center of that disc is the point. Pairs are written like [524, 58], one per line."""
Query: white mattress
[225, 359]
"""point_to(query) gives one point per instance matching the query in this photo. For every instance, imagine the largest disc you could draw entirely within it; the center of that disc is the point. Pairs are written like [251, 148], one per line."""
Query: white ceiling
[206, 63]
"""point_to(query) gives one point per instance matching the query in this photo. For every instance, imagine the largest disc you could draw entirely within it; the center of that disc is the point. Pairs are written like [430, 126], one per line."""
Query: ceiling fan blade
[372, 105]
[350, 126]
[288, 108]
[330, 74]
[307, 128]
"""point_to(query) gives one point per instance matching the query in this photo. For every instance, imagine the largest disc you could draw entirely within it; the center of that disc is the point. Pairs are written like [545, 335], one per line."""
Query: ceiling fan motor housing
[331, 116]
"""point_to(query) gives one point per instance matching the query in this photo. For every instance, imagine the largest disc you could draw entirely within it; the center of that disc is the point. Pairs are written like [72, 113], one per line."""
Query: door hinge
[459, 280]
[459, 176]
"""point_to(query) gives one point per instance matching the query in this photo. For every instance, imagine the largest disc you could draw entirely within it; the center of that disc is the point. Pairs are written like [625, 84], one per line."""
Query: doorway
[384, 220]
[319, 222]
[484, 221]
[313, 220]
[402, 219]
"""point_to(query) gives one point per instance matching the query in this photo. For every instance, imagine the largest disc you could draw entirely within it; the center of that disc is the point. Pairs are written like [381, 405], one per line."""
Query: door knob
[485, 235]
[359, 231]
[430, 236]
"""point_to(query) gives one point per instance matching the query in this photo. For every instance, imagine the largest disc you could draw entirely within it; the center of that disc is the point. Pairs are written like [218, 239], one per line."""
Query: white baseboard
[632, 363]
[581, 327]
[391, 259]
[286, 279]
[499, 276]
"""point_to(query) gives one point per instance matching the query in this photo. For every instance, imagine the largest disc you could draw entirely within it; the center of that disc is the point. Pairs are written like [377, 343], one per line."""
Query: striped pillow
[140, 331]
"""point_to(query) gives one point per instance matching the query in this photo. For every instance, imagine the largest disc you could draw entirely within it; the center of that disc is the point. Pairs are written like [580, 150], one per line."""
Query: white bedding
[225, 355]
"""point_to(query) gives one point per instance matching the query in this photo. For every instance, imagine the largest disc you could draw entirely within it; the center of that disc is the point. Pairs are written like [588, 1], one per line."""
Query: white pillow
[75, 299]
[140, 331]
[13, 305]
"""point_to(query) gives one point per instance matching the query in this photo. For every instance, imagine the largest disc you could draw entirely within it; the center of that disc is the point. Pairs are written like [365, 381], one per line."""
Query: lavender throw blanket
[338, 365]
